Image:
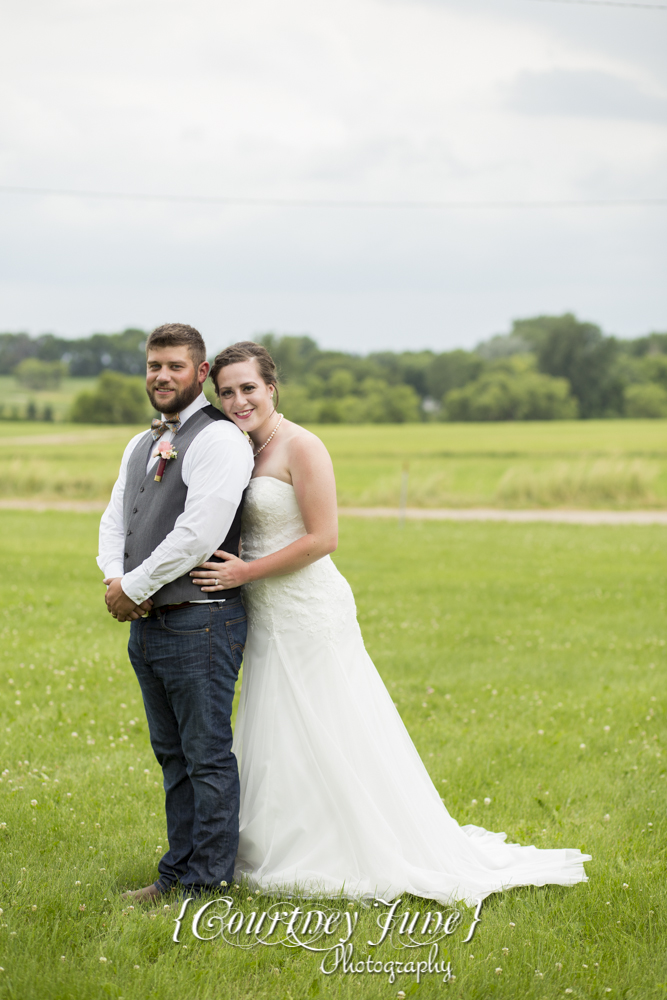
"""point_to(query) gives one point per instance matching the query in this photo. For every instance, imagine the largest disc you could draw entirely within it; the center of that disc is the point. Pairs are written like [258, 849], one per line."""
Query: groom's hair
[178, 335]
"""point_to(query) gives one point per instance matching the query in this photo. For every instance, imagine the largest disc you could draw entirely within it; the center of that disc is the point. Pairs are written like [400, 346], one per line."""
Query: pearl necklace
[269, 438]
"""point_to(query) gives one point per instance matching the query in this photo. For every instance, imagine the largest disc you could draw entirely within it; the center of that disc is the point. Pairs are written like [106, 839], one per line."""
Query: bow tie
[158, 427]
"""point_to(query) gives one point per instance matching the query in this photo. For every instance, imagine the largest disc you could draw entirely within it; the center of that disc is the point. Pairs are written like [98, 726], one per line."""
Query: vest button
[129, 532]
[134, 510]
[141, 489]
[127, 555]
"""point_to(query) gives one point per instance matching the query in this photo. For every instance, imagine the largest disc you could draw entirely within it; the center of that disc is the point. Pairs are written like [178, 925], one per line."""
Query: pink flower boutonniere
[164, 451]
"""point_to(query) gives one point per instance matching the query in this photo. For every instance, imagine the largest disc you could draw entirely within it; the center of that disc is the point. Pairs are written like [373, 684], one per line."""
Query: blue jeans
[187, 661]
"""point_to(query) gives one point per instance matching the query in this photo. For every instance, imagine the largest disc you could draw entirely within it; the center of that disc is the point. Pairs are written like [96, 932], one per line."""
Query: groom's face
[172, 379]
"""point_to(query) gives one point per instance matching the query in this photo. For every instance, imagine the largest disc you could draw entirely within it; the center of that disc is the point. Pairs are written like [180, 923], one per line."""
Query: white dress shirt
[216, 469]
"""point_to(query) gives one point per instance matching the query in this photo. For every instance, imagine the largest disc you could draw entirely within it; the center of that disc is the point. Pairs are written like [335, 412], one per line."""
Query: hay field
[572, 464]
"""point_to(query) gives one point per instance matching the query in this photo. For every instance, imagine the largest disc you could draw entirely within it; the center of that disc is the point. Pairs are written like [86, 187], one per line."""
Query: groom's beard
[182, 399]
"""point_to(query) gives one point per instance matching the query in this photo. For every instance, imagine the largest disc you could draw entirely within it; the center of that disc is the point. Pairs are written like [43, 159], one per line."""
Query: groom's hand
[122, 607]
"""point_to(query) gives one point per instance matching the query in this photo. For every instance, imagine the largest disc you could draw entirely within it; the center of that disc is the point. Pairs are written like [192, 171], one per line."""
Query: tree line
[545, 368]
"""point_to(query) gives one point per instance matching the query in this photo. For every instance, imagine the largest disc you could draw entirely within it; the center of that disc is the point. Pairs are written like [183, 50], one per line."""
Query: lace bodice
[316, 599]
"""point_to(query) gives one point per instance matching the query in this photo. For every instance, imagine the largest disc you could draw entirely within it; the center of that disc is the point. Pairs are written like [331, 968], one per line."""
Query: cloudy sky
[360, 101]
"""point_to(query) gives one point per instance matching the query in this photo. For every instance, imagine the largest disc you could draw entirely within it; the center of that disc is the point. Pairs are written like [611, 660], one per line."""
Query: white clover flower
[33, 802]
[487, 801]
[102, 958]
[582, 746]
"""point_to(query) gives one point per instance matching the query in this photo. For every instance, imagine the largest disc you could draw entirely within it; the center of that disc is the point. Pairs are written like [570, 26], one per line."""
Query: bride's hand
[225, 575]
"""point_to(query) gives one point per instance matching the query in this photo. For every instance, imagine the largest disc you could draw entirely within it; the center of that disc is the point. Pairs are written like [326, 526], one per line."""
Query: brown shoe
[149, 893]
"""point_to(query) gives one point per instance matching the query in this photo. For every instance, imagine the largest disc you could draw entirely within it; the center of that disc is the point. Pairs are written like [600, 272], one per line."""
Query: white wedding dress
[334, 796]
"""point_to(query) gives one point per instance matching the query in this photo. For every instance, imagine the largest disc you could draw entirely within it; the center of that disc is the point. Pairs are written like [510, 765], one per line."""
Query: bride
[334, 796]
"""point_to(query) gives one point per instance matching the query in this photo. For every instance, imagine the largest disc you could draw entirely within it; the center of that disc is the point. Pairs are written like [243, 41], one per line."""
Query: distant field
[14, 398]
[606, 464]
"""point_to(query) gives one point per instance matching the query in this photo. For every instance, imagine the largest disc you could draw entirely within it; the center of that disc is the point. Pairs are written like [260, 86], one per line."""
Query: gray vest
[150, 509]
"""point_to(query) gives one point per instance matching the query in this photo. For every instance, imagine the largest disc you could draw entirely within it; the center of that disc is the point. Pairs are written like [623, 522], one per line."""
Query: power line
[330, 202]
[608, 3]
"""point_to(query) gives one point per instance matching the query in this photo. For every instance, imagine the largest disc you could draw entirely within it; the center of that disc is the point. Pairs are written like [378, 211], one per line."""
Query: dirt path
[411, 514]
[521, 516]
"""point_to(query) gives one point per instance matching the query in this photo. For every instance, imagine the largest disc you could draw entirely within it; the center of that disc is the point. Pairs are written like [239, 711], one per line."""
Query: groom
[185, 648]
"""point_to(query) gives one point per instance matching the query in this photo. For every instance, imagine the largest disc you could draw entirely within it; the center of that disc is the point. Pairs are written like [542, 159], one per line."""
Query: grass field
[614, 464]
[528, 663]
[14, 398]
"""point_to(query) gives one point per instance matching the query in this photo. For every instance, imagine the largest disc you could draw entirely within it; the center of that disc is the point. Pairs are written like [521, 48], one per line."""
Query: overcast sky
[370, 100]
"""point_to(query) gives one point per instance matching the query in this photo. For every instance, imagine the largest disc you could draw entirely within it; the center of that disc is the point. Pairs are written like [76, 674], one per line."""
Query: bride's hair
[246, 350]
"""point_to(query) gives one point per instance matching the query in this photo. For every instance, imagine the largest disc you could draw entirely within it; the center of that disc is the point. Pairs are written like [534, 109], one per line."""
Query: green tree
[647, 400]
[293, 355]
[452, 370]
[116, 399]
[14, 348]
[579, 352]
[295, 403]
[35, 374]
[512, 390]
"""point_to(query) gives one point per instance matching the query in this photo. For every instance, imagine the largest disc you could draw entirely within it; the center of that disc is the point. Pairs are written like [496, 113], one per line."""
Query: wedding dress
[334, 796]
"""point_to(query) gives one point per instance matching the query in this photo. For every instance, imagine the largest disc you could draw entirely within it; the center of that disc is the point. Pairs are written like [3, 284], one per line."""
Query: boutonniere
[164, 452]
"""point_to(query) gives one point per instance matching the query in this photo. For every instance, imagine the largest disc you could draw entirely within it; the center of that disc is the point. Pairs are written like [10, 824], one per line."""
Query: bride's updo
[246, 350]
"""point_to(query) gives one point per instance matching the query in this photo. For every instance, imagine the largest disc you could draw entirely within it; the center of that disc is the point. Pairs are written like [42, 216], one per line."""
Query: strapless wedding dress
[334, 796]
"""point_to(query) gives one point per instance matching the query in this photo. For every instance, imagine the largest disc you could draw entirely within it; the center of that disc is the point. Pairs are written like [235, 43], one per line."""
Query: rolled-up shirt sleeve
[216, 469]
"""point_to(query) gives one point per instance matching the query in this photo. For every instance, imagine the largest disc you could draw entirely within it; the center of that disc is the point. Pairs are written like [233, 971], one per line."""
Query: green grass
[513, 628]
[605, 463]
[14, 397]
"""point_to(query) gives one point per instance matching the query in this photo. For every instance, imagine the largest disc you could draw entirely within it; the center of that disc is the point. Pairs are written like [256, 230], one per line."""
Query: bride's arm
[315, 488]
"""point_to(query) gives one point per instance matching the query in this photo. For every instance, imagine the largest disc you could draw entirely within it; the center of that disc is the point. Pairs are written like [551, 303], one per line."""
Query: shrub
[35, 374]
[117, 399]
[648, 400]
